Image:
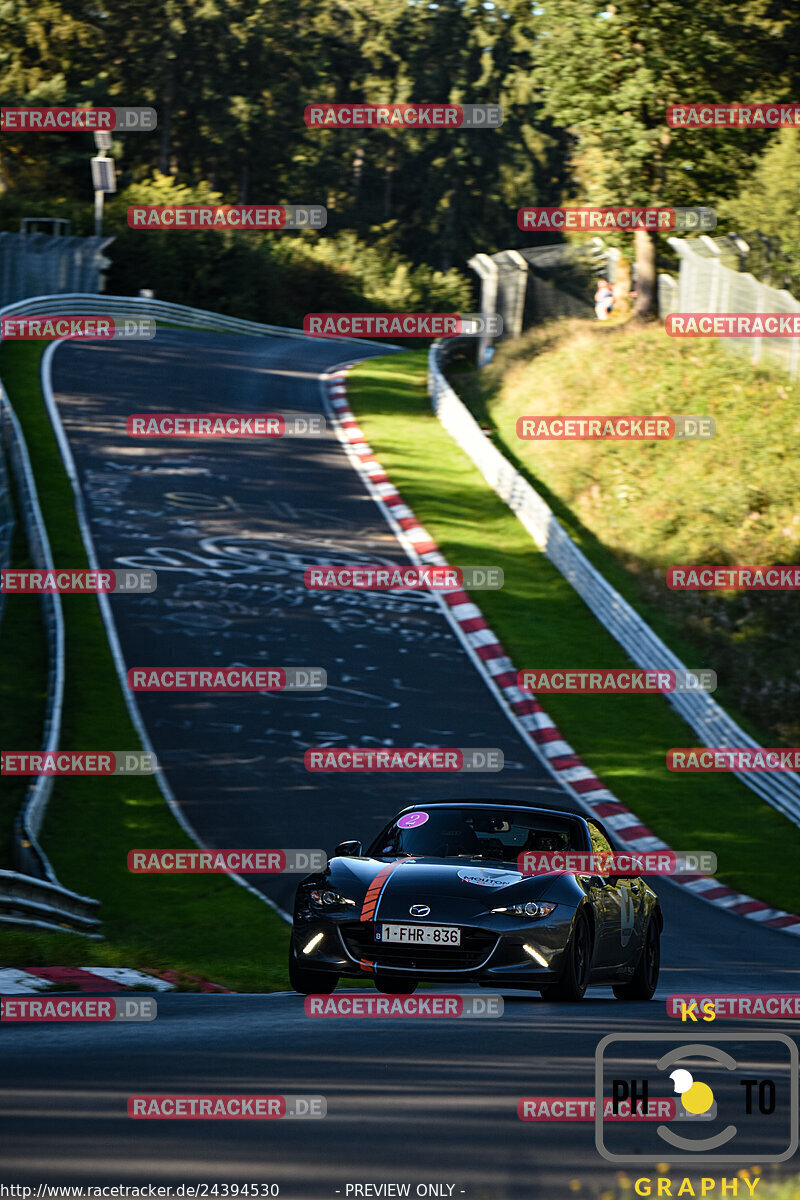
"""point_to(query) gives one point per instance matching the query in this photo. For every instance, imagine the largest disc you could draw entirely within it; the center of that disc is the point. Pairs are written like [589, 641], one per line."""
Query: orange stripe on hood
[376, 887]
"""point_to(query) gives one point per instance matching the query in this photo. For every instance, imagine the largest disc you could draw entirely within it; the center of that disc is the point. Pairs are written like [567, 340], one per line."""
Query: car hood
[389, 889]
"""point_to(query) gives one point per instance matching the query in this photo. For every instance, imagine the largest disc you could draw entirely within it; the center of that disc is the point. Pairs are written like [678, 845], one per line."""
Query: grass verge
[542, 623]
[637, 508]
[23, 656]
[199, 925]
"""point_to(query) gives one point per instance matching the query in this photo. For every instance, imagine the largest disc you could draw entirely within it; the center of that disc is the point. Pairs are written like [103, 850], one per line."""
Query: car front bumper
[531, 954]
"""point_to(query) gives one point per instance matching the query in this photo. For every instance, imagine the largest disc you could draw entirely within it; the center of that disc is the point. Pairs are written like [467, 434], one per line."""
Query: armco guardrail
[711, 723]
[89, 305]
[28, 901]
[28, 854]
[32, 895]
[7, 521]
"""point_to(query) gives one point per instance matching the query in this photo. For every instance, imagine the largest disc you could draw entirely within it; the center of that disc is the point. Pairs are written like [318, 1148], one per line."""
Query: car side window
[600, 843]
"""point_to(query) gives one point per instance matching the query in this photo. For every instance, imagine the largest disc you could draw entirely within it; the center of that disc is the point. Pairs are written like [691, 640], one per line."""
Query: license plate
[420, 935]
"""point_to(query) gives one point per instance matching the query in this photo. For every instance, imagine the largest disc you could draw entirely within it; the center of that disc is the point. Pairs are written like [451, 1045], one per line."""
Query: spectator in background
[603, 299]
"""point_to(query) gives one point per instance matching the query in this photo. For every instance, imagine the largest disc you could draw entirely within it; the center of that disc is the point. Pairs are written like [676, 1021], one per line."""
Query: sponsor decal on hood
[495, 879]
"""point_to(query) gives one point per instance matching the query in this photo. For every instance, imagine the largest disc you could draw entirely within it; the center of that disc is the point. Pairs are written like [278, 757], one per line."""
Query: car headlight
[533, 910]
[326, 898]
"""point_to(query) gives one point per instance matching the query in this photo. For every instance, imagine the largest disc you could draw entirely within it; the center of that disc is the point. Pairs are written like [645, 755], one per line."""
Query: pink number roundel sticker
[411, 820]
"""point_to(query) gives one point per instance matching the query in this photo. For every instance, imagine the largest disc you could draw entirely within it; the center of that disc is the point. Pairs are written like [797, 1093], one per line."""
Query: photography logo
[696, 1098]
[728, 1109]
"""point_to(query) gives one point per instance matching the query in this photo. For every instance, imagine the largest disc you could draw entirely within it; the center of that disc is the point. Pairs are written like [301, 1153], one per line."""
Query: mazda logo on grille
[419, 910]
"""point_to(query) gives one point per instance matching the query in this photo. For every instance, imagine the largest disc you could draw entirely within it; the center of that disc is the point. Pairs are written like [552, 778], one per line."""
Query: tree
[608, 72]
[769, 204]
[443, 193]
[42, 46]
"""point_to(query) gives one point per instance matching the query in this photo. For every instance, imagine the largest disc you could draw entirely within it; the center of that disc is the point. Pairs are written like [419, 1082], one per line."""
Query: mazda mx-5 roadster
[438, 897]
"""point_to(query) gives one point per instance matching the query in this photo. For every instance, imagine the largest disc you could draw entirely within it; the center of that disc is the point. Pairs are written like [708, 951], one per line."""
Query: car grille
[476, 946]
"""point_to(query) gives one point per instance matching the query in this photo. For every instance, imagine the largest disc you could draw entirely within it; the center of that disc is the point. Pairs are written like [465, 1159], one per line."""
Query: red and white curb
[18, 981]
[536, 727]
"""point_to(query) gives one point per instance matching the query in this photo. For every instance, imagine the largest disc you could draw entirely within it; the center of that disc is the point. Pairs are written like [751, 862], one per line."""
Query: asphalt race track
[229, 527]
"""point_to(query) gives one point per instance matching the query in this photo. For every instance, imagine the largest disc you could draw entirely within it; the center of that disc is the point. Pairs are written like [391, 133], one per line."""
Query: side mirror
[348, 849]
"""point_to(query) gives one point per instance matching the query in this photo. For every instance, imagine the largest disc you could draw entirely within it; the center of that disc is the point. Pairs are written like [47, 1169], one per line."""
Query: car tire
[306, 980]
[645, 977]
[396, 987]
[572, 985]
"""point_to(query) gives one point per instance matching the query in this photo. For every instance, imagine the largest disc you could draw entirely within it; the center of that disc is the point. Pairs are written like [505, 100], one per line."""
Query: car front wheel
[645, 977]
[306, 980]
[572, 984]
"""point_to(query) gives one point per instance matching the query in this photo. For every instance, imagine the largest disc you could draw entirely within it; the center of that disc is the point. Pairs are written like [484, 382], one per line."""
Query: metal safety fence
[540, 283]
[709, 282]
[39, 264]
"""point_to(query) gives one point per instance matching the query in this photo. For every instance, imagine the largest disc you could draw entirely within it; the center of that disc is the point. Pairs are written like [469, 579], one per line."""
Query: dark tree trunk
[646, 300]
[165, 121]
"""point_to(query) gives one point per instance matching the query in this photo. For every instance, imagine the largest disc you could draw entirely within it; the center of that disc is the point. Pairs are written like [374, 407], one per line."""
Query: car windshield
[491, 834]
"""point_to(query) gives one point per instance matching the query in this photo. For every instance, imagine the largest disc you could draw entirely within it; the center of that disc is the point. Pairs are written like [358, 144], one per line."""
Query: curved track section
[229, 527]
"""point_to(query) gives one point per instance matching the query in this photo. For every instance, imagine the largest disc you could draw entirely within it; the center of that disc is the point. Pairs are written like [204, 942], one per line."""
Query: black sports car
[438, 897]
